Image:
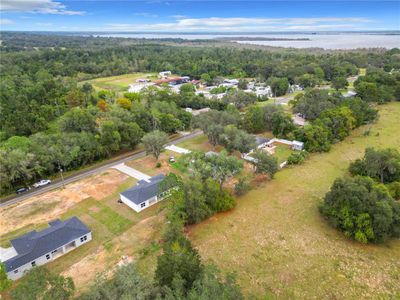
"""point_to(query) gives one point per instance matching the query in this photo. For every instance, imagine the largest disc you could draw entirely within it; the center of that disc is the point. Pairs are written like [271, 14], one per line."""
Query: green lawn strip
[282, 153]
[286, 248]
[115, 222]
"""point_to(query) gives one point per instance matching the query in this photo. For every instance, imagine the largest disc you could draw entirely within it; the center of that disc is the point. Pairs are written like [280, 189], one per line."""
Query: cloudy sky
[197, 16]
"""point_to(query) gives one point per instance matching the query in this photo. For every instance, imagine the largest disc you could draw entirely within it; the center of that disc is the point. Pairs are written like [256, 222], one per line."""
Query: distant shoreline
[258, 38]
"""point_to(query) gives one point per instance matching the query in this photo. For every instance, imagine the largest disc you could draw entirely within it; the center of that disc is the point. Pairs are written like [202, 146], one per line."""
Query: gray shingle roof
[143, 190]
[261, 140]
[35, 244]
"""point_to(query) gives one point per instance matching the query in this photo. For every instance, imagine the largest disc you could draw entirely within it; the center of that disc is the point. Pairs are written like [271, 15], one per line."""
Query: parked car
[171, 159]
[42, 182]
[22, 190]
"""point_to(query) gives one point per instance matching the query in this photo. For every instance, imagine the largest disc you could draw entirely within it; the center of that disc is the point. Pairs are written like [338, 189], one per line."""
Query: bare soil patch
[50, 205]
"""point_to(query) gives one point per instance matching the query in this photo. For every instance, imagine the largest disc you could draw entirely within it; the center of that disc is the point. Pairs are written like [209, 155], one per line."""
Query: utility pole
[62, 177]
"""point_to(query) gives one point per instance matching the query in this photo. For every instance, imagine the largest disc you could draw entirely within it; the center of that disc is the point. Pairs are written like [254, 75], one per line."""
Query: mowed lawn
[279, 245]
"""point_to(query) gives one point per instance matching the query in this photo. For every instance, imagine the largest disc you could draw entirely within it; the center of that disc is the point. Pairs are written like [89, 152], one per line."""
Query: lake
[320, 40]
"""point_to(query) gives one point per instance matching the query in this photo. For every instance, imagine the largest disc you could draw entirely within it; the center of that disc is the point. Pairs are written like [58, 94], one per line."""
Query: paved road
[57, 183]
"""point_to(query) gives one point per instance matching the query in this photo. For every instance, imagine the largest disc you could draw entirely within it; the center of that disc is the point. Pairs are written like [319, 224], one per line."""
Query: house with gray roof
[37, 248]
[144, 193]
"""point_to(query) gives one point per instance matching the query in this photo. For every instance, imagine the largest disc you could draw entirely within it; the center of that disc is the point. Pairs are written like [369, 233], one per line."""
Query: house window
[47, 256]
[16, 271]
[84, 238]
[33, 263]
[143, 204]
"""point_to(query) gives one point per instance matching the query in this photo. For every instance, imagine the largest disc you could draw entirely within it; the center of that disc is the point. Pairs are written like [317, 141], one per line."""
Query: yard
[119, 83]
[280, 247]
[119, 233]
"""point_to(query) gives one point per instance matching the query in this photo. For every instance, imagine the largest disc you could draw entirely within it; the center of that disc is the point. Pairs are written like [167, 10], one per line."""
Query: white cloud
[6, 22]
[178, 17]
[146, 15]
[37, 6]
[244, 24]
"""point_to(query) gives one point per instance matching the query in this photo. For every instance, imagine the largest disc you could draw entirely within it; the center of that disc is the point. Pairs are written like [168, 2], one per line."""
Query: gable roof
[35, 244]
[143, 190]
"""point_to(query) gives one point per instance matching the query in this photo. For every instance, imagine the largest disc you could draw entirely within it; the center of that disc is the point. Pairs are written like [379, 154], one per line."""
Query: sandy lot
[50, 205]
[125, 249]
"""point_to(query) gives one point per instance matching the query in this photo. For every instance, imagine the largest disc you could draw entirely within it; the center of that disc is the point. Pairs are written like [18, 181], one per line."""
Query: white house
[144, 193]
[38, 248]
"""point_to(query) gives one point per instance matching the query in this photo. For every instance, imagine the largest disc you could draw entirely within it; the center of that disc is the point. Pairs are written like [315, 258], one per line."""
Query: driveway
[177, 149]
[131, 172]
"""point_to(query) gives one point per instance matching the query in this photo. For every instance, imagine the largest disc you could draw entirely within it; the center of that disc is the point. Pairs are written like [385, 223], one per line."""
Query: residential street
[58, 183]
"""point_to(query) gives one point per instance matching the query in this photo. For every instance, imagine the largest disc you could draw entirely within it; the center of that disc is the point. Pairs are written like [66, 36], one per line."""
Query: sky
[198, 16]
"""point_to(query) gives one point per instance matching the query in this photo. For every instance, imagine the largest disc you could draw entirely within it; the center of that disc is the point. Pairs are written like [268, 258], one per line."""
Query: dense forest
[49, 120]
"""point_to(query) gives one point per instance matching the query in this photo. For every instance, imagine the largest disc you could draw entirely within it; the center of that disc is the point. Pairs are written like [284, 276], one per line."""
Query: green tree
[220, 167]
[126, 283]
[178, 261]
[279, 86]
[361, 209]
[40, 283]
[265, 163]
[380, 164]
[253, 120]
[187, 88]
[339, 121]
[109, 136]
[368, 91]
[235, 139]
[5, 283]
[315, 138]
[281, 124]
[77, 120]
[339, 82]
[154, 142]
[308, 80]
[242, 85]
[239, 98]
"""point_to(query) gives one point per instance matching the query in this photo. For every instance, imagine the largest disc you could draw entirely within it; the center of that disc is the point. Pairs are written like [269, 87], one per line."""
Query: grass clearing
[119, 83]
[280, 246]
[199, 143]
[114, 222]
[282, 152]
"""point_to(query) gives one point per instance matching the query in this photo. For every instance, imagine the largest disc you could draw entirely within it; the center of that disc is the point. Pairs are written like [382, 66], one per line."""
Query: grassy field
[119, 83]
[282, 152]
[279, 245]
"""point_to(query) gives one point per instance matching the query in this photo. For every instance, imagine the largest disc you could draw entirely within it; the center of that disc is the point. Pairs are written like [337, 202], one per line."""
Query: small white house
[144, 193]
[38, 248]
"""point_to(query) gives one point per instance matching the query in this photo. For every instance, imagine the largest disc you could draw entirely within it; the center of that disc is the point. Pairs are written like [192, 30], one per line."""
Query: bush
[394, 189]
[296, 158]
[242, 187]
[158, 165]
